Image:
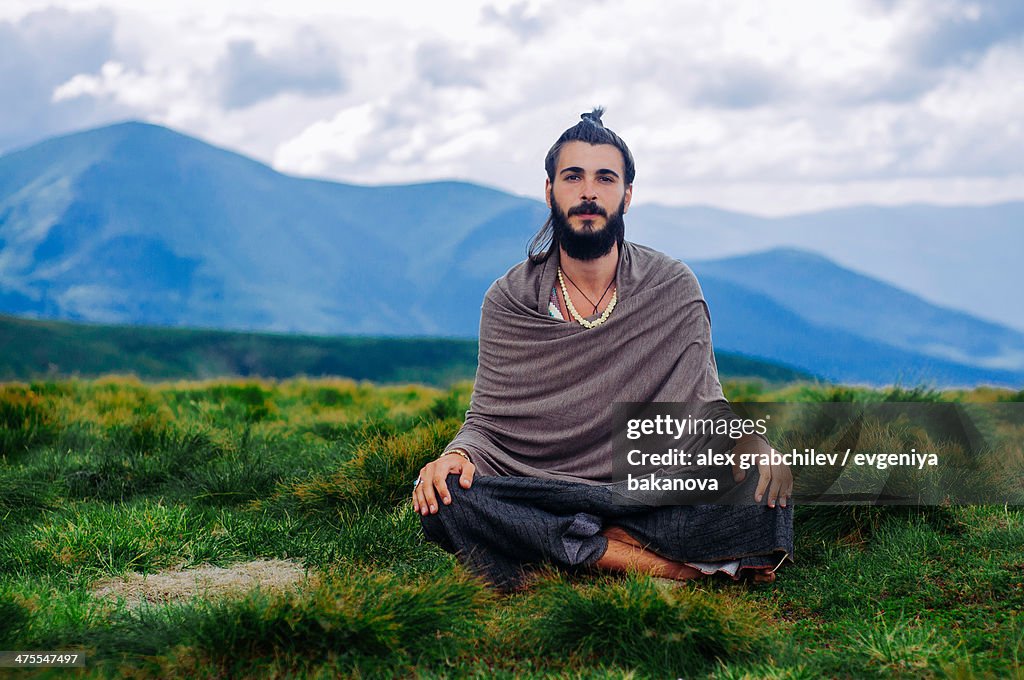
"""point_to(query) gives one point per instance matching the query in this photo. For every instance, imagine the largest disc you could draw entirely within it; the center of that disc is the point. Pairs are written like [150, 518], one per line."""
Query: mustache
[587, 208]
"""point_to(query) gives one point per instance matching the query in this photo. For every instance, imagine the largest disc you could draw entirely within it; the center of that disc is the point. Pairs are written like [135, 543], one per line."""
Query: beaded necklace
[576, 315]
[587, 297]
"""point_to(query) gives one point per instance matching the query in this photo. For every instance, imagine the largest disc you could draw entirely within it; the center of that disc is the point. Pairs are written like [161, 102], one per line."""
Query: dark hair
[589, 130]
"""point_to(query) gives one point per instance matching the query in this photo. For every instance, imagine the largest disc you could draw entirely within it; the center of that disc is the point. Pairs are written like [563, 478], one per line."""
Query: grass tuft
[903, 646]
[370, 621]
[26, 420]
[380, 472]
[20, 495]
[14, 619]
[765, 671]
[91, 538]
[635, 623]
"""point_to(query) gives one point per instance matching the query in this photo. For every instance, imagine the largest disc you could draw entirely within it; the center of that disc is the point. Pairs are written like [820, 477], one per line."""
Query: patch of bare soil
[208, 582]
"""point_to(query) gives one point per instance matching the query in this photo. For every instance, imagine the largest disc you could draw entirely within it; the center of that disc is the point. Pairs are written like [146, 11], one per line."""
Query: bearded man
[587, 320]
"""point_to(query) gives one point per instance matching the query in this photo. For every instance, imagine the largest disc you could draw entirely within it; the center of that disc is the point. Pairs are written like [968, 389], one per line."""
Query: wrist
[457, 452]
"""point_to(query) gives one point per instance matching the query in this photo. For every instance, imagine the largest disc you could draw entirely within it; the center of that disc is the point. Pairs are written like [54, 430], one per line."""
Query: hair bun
[594, 116]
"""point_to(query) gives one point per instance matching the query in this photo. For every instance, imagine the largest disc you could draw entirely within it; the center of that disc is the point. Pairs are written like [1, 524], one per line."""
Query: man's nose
[588, 190]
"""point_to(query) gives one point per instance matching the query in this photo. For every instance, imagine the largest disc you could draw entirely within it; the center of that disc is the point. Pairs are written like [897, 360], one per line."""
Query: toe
[762, 577]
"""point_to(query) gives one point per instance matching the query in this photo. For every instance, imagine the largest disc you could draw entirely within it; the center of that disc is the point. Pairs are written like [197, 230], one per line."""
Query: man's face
[587, 199]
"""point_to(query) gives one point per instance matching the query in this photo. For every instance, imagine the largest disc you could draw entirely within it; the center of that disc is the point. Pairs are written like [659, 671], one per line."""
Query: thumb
[466, 478]
[738, 474]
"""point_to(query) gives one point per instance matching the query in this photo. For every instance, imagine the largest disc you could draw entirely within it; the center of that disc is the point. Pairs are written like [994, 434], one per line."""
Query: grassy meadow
[102, 479]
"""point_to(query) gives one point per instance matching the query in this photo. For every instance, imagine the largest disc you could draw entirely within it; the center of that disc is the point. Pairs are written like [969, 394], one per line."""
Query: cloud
[974, 116]
[308, 66]
[905, 94]
[39, 52]
[408, 137]
[952, 33]
[930, 40]
[740, 84]
[515, 19]
[438, 64]
[239, 81]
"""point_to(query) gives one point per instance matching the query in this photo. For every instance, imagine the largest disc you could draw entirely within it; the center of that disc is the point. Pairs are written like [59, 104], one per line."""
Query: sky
[770, 108]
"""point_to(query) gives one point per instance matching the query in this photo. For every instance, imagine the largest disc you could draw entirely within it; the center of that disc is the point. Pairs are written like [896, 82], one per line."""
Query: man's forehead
[593, 157]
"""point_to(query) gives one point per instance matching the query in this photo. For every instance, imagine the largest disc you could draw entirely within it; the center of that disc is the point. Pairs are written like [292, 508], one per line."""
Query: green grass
[102, 478]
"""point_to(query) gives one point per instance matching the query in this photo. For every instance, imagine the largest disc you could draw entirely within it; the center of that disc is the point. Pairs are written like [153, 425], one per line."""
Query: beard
[591, 243]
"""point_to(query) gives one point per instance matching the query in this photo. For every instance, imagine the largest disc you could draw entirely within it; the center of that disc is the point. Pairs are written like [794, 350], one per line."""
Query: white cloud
[338, 140]
[766, 107]
[308, 65]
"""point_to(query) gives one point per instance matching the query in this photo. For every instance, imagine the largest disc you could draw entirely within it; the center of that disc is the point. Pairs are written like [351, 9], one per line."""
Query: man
[590, 320]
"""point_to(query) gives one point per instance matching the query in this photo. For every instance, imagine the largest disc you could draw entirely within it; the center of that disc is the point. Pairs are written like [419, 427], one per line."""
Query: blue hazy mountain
[135, 223]
[743, 320]
[963, 257]
[833, 297]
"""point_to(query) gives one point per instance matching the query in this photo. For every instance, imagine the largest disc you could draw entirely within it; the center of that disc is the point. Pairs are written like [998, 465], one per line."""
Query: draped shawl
[542, 400]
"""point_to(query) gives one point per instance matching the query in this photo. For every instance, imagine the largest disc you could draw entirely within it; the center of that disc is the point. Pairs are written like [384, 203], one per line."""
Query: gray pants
[502, 524]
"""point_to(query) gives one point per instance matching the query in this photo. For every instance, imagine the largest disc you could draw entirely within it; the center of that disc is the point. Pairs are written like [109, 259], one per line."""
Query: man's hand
[434, 476]
[776, 481]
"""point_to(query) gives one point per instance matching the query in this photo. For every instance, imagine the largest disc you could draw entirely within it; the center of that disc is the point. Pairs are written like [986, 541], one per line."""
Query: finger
[738, 474]
[419, 500]
[785, 482]
[440, 484]
[784, 479]
[774, 488]
[466, 478]
[762, 483]
[427, 489]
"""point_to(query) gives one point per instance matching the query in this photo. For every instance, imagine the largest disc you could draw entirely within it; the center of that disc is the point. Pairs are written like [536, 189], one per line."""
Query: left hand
[775, 483]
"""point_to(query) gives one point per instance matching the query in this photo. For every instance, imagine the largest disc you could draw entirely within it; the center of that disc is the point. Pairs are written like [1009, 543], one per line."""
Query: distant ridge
[831, 297]
[137, 224]
[32, 349]
[960, 257]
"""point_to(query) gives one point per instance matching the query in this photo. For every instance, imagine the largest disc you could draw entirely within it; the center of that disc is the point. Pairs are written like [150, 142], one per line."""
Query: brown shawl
[542, 401]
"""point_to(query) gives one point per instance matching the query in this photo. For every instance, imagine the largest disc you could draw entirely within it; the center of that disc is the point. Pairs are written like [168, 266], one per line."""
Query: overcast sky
[766, 107]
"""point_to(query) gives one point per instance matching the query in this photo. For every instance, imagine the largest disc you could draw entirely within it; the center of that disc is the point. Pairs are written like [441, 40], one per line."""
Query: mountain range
[964, 257]
[135, 223]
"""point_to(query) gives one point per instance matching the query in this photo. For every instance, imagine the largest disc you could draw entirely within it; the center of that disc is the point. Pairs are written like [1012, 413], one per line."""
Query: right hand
[435, 482]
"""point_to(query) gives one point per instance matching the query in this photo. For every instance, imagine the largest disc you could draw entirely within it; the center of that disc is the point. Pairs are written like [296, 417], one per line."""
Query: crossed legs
[504, 523]
[625, 553]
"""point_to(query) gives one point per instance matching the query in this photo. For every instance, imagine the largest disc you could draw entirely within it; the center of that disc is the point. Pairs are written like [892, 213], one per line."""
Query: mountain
[964, 257]
[833, 297]
[742, 320]
[138, 224]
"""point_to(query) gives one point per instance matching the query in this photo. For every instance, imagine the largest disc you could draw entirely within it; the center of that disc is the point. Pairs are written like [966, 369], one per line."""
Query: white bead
[576, 315]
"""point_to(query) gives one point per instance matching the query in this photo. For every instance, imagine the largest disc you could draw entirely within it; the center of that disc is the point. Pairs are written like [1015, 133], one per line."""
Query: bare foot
[625, 553]
[762, 576]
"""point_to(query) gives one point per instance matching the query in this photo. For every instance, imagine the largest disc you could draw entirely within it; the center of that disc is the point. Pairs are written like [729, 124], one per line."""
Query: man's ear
[547, 192]
[627, 198]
